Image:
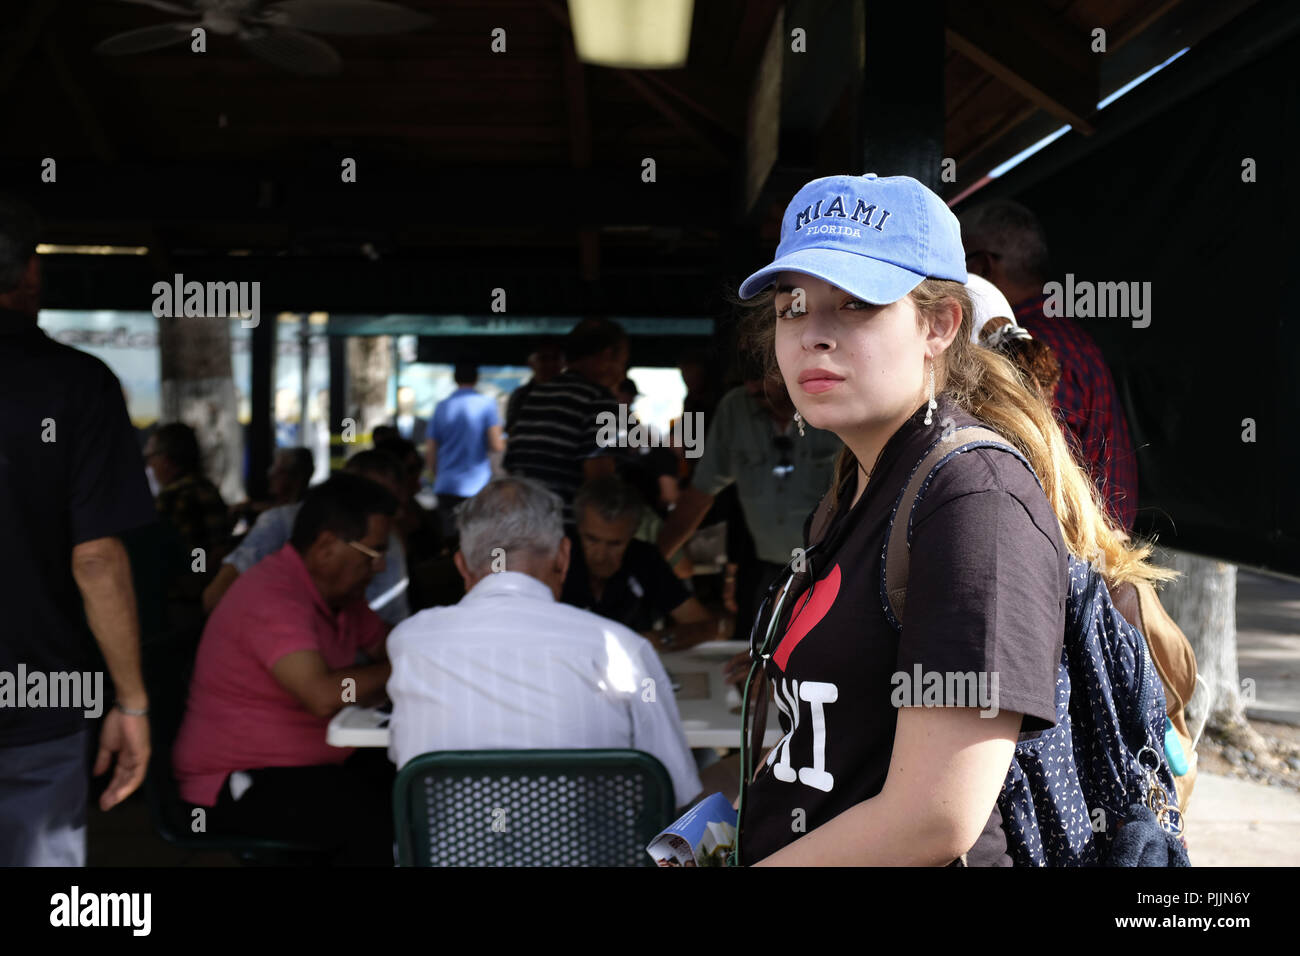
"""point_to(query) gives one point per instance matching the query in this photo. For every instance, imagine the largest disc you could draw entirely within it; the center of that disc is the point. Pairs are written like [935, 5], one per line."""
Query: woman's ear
[945, 323]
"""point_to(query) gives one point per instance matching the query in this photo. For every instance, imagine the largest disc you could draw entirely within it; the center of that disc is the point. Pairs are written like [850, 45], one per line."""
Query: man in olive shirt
[752, 441]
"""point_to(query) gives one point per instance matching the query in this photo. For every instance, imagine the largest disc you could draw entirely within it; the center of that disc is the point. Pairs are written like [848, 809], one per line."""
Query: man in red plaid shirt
[1005, 244]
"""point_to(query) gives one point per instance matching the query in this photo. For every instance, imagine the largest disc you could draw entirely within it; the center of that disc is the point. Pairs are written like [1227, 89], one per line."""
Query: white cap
[989, 303]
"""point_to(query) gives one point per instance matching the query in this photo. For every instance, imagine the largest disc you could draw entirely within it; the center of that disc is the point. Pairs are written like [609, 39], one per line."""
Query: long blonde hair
[991, 388]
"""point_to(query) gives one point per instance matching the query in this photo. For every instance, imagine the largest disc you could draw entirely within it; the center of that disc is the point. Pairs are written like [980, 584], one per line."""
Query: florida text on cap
[876, 238]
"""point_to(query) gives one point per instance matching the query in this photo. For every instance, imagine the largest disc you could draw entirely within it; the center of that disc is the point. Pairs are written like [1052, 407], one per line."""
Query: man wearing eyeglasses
[387, 592]
[276, 662]
[752, 442]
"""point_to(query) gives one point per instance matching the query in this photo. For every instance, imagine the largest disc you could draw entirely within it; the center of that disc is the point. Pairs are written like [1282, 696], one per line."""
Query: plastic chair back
[530, 808]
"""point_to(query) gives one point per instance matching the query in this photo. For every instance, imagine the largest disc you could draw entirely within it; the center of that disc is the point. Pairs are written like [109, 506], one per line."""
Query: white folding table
[704, 700]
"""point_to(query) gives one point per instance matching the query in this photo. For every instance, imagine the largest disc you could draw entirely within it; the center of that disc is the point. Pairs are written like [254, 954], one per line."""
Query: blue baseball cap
[876, 238]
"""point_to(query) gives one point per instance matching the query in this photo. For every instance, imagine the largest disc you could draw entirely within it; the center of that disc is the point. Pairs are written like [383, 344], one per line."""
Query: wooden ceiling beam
[724, 125]
[1187, 24]
[1116, 38]
[1019, 42]
[464, 198]
[633, 78]
[24, 39]
[411, 284]
[646, 91]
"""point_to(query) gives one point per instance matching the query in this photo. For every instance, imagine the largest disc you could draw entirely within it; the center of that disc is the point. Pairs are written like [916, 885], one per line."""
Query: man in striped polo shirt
[554, 440]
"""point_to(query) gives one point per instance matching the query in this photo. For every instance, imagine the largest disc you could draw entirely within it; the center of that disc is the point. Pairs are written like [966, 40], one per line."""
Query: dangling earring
[929, 417]
[798, 420]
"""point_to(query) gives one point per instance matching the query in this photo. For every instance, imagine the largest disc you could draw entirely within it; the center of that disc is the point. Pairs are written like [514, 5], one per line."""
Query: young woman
[870, 325]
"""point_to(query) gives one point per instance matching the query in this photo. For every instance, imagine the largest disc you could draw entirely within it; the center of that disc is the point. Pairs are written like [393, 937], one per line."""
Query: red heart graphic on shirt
[800, 622]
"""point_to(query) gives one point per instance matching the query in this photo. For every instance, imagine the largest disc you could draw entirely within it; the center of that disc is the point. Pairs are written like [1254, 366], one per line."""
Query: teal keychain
[1174, 750]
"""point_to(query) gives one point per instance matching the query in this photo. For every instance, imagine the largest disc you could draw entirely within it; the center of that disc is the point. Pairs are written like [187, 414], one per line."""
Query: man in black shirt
[71, 482]
[624, 579]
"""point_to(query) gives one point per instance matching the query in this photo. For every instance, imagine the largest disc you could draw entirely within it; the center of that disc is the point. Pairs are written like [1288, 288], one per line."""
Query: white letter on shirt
[818, 693]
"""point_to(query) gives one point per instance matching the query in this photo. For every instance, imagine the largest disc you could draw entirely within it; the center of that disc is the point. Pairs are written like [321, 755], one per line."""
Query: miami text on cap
[876, 238]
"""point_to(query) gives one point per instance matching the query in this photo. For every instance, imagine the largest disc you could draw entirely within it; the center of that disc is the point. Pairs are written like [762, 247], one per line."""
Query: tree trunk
[197, 388]
[1204, 604]
[370, 362]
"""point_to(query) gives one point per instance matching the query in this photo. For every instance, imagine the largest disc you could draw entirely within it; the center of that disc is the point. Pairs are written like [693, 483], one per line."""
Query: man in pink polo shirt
[277, 660]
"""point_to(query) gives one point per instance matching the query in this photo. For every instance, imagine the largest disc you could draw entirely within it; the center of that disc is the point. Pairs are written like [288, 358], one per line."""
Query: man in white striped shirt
[510, 667]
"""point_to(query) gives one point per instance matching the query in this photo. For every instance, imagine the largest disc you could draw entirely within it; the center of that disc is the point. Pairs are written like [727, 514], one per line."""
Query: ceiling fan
[273, 32]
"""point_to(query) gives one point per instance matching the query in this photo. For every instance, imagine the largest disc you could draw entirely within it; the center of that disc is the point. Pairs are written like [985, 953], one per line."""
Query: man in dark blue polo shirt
[624, 579]
[71, 481]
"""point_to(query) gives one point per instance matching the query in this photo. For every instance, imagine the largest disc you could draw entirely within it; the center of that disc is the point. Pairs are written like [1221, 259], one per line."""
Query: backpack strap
[899, 535]
[821, 517]
[1125, 598]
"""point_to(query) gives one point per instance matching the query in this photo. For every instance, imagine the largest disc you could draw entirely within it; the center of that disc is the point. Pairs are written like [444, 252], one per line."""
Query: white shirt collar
[513, 583]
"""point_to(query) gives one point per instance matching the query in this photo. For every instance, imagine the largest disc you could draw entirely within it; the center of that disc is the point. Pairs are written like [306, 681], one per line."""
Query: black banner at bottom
[358, 906]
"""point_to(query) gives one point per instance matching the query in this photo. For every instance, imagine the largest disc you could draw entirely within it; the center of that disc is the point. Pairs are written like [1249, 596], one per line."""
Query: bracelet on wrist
[132, 713]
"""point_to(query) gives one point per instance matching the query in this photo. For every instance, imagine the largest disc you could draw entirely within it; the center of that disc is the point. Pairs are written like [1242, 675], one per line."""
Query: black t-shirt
[70, 471]
[643, 589]
[986, 595]
[642, 468]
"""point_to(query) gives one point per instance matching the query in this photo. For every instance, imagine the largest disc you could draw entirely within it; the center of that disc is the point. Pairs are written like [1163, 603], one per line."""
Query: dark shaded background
[1165, 202]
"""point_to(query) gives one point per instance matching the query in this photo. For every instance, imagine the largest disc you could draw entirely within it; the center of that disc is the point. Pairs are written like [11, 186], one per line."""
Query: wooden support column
[901, 107]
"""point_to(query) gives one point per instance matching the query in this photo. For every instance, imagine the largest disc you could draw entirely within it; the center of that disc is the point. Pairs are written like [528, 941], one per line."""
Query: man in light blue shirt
[464, 428]
[387, 590]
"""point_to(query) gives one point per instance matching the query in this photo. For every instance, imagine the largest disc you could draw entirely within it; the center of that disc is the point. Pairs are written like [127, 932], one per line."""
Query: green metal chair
[530, 808]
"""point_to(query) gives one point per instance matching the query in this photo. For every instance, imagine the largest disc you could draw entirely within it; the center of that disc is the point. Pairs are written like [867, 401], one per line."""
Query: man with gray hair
[510, 667]
[620, 577]
[1005, 244]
